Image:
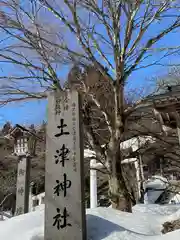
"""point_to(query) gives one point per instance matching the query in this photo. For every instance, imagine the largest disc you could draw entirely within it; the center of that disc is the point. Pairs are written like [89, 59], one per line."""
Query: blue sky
[27, 113]
[24, 113]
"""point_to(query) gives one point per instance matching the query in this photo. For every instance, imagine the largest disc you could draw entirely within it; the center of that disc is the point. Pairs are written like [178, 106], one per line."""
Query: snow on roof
[102, 224]
[135, 143]
[129, 160]
[89, 153]
[156, 182]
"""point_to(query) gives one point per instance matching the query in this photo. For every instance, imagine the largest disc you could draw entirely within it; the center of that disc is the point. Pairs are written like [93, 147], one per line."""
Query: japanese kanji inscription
[23, 185]
[64, 201]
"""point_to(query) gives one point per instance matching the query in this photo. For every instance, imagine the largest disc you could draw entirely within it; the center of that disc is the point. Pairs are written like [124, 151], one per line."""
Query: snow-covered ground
[145, 223]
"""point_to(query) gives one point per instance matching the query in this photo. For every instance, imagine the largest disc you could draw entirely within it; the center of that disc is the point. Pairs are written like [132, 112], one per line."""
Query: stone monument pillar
[64, 180]
[23, 185]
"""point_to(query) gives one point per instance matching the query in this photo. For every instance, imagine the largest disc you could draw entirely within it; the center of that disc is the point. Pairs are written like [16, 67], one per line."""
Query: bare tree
[109, 35]
[172, 78]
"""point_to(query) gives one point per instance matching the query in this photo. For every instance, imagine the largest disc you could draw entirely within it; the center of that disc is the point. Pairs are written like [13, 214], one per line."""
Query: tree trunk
[117, 184]
[119, 196]
[118, 191]
[122, 204]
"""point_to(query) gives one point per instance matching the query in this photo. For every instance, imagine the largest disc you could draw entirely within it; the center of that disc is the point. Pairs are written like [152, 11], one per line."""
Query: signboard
[64, 193]
[23, 181]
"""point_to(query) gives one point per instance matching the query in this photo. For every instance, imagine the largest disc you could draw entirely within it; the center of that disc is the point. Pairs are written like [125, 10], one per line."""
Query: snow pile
[145, 223]
[5, 215]
[157, 182]
[155, 186]
[174, 216]
[26, 227]
[175, 199]
[158, 210]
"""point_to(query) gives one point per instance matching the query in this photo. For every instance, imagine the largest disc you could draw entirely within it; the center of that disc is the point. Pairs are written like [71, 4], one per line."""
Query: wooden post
[23, 185]
[64, 180]
[178, 133]
[177, 117]
[93, 185]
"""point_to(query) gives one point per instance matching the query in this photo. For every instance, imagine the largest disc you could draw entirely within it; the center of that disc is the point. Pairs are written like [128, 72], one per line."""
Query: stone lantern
[24, 148]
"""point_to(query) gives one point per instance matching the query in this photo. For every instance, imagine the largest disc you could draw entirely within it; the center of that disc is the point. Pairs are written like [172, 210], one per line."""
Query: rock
[171, 226]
